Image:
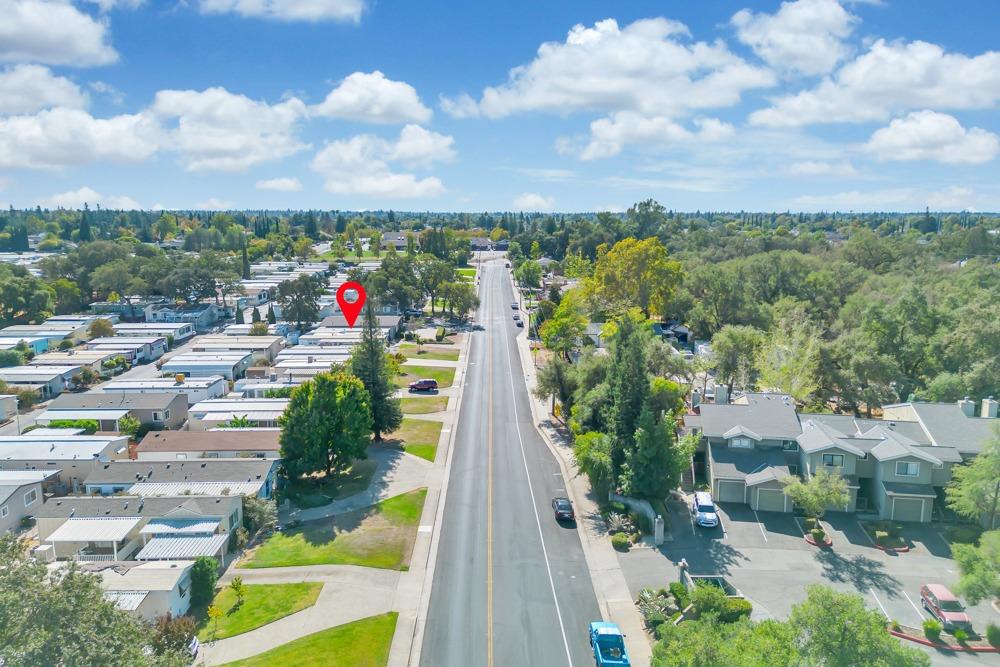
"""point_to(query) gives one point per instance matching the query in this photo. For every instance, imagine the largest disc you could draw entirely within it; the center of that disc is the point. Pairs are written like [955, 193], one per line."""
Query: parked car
[608, 643]
[519, 323]
[423, 385]
[413, 312]
[945, 606]
[703, 509]
[563, 509]
[514, 306]
[517, 318]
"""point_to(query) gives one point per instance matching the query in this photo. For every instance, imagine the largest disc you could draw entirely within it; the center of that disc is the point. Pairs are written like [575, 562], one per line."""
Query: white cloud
[954, 198]
[64, 137]
[289, 10]
[113, 94]
[217, 130]
[609, 135]
[213, 204]
[89, 196]
[816, 168]
[30, 88]
[805, 36]
[372, 98]
[891, 77]
[928, 135]
[52, 32]
[360, 164]
[547, 174]
[108, 5]
[285, 184]
[530, 201]
[642, 67]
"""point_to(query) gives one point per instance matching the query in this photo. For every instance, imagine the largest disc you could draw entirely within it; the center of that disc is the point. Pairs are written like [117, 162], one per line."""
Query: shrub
[654, 620]
[819, 535]
[964, 533]
[881, 536]
[26, 399]
[993, 634]
[895, 625]
[620, 541]
[619, 523]
[961, 635]
[408, 335]
[65, 344]
[932, 629]
[439, 334]
[680, 593]
[618, 506]
[734, 609]
[894, 530]
[204, 574]
[809, 523]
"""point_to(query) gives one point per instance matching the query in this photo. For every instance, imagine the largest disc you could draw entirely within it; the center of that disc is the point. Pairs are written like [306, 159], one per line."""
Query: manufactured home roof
[135, 506]
[94, 529]
[187, 441]
[192, 470]
[103, 401]
[160, 548]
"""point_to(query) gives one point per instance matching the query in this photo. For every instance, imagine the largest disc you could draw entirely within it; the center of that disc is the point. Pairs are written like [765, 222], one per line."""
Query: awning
[179, 527]
[94, 529]
[51, 415]
[126, 600]
[169, 548]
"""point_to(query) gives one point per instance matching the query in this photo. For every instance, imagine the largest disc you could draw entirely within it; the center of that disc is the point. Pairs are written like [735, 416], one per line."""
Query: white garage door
[770, 500]
[907, 509]
[730, 492]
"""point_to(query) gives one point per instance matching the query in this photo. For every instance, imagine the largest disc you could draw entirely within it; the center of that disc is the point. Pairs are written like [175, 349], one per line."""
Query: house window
[233, 518]
[30, 497]
[166, 414]
[157, 417]
[833, 460]
[907, 469]
[741, 443]
[790, 445]
[4, 512]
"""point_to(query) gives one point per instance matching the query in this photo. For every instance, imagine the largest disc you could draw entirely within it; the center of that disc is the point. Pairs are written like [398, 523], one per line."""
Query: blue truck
[608, 643]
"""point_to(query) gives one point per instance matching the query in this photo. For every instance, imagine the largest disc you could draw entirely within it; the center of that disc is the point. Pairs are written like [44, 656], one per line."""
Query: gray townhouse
[896, 467]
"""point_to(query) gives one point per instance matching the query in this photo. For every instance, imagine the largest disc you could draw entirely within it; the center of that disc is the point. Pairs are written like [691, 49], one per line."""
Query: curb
[944, 647]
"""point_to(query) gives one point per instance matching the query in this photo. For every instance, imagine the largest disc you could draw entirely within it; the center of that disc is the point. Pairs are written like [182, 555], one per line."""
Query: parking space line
[865, 533]
[879, 602]
[920, 614]
[801, 529]
[763, 533]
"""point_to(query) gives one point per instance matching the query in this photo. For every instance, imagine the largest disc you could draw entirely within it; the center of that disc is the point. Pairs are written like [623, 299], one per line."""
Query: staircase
[687, 479]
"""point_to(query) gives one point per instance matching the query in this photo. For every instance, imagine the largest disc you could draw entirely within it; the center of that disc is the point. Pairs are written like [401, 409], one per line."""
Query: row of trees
[405, 280]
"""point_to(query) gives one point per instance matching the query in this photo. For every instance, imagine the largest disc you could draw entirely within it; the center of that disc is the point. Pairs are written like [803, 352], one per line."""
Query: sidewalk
[610, 587]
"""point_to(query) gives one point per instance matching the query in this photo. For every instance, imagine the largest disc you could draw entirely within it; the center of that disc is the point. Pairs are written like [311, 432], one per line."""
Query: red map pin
[351, 309]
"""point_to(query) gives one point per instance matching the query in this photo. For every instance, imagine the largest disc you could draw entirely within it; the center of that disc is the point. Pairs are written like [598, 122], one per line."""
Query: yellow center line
[489, 495]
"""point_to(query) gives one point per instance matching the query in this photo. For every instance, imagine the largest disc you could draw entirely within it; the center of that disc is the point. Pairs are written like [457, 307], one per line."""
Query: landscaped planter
[979, 645]
[893, 550]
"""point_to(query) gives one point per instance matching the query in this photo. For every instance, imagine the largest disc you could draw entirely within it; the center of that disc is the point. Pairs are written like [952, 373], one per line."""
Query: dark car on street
[563, 509]
[423, 385]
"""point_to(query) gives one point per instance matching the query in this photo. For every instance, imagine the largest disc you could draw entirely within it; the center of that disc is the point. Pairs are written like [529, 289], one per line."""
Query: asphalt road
[511, 586]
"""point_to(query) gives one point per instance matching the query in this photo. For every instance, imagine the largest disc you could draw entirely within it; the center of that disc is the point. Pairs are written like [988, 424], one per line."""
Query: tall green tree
[823, 490]
[629, 384]
[326, 426]
[557, 380]
[369, 363]
[974, 490]
[979, 566]
[592, 452]
[62, 618]
[204, 574]
[635, 274]
[255, 315]
[245, 262]
[433, 274]
[735, 350]
[271, 319]
[565, 330]
[299, 299]
[653, 467]
[240, 318]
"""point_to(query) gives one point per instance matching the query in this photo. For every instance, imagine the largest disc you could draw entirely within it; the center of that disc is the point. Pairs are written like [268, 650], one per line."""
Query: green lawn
[322, 490]
[264, 603]
[349, 257]
[363, 643]
[378, 536]
[428, 352]
[471, 272]
[418, 437]
[423, 406]
[444, 376]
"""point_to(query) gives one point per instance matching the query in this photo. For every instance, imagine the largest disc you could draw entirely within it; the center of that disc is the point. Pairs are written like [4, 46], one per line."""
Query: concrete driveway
[765, 556]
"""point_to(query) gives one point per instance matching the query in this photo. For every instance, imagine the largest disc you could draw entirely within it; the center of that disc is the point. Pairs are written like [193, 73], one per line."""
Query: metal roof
[76, 413]
[94, 529]
[179, 527]
[770, 415]
[148, 489]
[163, 548]
[126, 600]
[56, 448]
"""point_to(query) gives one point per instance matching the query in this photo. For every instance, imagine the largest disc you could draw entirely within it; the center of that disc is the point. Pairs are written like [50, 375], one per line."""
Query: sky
[805, 105]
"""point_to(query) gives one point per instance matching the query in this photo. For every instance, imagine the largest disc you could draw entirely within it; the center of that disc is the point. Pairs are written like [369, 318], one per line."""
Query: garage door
[770, 500]
[730, 492]
[907, 509]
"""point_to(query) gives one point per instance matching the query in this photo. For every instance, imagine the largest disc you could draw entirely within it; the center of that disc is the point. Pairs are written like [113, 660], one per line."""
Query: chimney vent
[968, 407]
[989, 408]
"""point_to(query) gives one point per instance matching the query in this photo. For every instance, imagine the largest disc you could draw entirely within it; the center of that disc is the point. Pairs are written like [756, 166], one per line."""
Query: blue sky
[571, 106]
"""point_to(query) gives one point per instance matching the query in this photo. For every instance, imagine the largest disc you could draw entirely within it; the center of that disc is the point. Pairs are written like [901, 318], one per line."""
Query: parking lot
[765, 556]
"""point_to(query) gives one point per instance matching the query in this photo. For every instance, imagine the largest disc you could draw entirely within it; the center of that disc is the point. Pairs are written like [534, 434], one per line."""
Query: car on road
[514, 306]
[423, 385]
[563, 509]
[517, 317]
[413, 312]
[703, 509]
[945, 606]
[519, 323]
[608, 643]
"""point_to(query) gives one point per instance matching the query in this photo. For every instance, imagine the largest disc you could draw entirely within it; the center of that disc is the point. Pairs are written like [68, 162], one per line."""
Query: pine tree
[240, 319]
[654, 466]
[255, 315]
[369, 364]
[246, 263]
[85, 233]
[271, 319]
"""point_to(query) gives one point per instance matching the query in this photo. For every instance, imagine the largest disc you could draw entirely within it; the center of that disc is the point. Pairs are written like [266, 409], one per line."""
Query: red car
[423, 385]
[945, 606]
